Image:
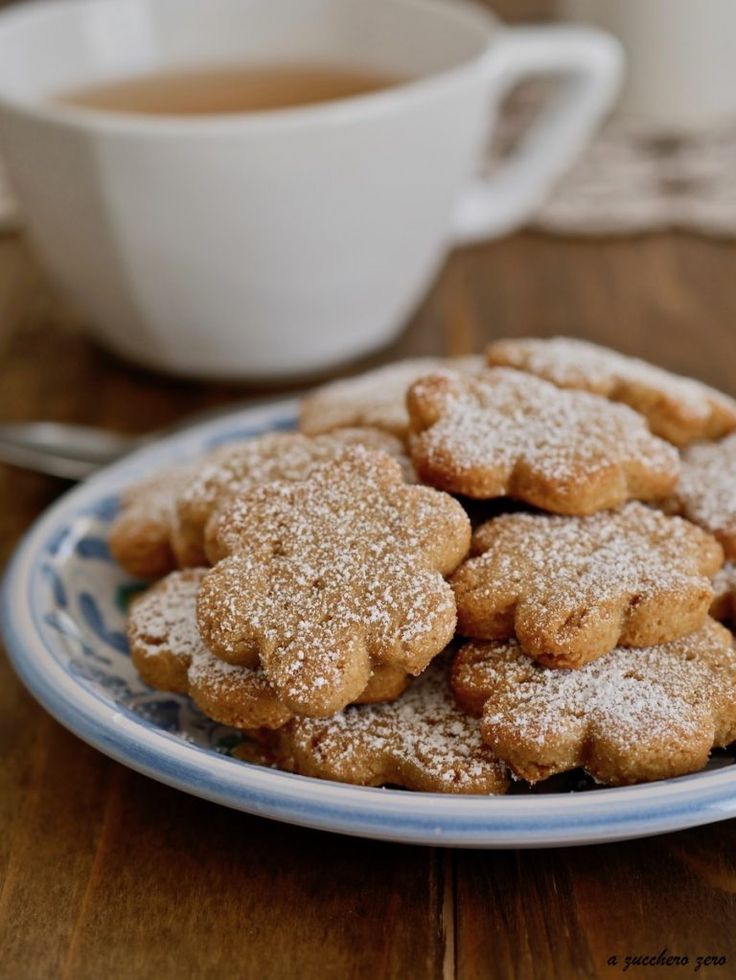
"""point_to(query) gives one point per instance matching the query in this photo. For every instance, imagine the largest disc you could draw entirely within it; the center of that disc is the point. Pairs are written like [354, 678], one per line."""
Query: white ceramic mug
[276, 243]
[680, 58]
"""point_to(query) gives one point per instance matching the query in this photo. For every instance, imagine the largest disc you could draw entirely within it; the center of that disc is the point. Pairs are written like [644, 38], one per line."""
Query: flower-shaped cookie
[724, 594]
[421, 741]
[168, 652]
[143, 536]
[572, 588]
[632, 716]
[162, 520]
[506, 433]
[678, 409]
[288, 456]
[321, 580]
[376, 398]
[706, 491]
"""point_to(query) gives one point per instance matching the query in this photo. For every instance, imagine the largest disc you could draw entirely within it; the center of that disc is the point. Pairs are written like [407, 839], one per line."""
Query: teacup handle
[594, 62]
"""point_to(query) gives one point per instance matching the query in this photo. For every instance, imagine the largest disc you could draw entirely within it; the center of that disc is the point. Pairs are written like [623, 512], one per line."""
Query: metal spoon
[74, 452]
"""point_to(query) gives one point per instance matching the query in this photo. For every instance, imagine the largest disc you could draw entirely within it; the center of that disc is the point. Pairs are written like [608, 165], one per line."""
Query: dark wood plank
[111, 874]
[543, 915]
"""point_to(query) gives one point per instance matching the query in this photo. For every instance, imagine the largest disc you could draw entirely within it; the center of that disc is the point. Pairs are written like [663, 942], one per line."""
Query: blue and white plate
[63, 618]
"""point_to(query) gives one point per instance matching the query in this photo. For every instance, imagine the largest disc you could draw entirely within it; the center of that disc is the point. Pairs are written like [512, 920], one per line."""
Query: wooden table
[107, 874]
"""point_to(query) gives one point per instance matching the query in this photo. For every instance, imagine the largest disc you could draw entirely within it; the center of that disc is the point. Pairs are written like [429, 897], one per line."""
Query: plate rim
[563, 819]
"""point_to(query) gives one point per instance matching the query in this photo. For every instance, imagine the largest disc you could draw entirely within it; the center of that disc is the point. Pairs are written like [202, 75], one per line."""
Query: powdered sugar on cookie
[706, 491]
[572, 588]
[506, 433]
[143, 536]
[376, 398]
[164, 618]
[287, 456]
[678, 409]
[167, 650]
[633, 715]
[420, 741]
[322, 579]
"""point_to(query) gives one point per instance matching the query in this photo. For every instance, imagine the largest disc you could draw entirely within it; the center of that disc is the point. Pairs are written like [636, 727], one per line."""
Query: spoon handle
[71, 452]
[74, 452]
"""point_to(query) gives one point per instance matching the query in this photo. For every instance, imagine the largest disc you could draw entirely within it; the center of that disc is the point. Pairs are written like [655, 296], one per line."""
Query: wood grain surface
[106, 874]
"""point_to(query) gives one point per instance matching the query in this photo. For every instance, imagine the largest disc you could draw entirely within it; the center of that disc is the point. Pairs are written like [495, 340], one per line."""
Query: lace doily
[630, 181]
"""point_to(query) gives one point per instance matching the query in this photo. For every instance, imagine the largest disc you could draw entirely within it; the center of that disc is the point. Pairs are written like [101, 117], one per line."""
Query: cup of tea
[260, 189]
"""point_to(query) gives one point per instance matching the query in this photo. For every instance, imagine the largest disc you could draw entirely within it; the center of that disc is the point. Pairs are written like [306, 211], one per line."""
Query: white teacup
[281, 242]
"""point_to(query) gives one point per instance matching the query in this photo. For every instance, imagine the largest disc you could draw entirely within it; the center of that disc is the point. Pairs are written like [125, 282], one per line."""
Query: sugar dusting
[336, 569]
[706, 492]
[724, 581]
[153, 498]
[630, 695]
[503, 418]
[572, 363]
[165, 619]
[375, 398]
[142, 536]
[423, 732]
[285, 456]
[585, 563]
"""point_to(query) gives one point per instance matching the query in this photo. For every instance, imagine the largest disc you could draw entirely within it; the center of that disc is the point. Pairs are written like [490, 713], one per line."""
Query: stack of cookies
[325, 591]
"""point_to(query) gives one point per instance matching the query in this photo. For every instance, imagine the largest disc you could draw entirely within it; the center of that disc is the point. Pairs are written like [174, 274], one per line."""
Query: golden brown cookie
[376, 398]
[320, 580]
[724, 594]
[706, 490]
[142, 537]
[421, 741]
[678, 409]
[168, 653]
[572, 588]
[287, 456]
[506, 433]
[162, 519]
[632, 716]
